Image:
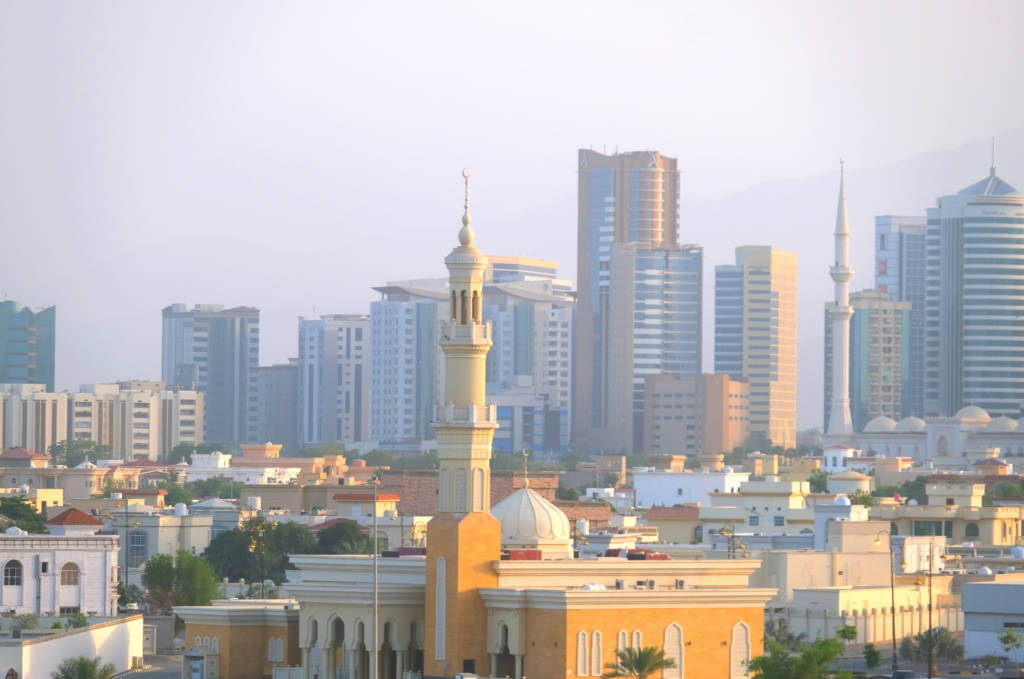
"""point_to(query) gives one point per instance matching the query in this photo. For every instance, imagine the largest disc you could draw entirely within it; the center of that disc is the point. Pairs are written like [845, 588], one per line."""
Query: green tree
[1011, 641]
[283, 539]
[23, 622]
[818, 482]
[847, 633]
[76, 451]
[779, 630]
[23, 514]
[872, 656]
[229, 555]
[215, 486]
[78, 619]
[564, 492]
[181, 453]
[815, 661]
[638, 663]
[943, 645]
[176, 493]
[83, 668]
[378, 458]
[184, 580]
[259, 549]
[1008, 489]
[344, 537]
[862, 498]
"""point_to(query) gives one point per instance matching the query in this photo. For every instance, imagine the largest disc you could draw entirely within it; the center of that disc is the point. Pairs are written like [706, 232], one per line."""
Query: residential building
[639, 294]
[146, 531]
[755, 335]
[991, 609]
[695, 414]
[334, 379]
[668, 488]
[899, 273]
[218, 465]
[279, 395]
[33, 417]
[973, 300]
[879, 358]
[27, 345]
[216, 351]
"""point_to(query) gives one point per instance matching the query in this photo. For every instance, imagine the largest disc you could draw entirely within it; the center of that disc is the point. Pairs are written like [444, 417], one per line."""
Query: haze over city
[291, 158]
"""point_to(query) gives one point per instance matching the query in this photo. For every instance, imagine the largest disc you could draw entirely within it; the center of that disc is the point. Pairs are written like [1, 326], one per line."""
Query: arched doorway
[387, 657]
[335, 648]
[414, 659]
[506, 664]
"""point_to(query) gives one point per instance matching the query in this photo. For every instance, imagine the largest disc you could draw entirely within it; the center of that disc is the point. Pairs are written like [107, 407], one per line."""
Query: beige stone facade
[695, 414]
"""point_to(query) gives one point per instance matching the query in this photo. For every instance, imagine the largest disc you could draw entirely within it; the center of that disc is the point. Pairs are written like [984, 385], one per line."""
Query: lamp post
[376, 644]
[892, 590]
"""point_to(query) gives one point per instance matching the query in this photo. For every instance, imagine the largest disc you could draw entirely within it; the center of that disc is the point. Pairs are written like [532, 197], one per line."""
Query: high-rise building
[974, 300]
[639, 298]
[899, 273]
[756, 338]
[279, 397]
[879, 358]
[405, 380]
[216, 350]
[33, 417]
[334, 379]
[695, 414]
[27, 345]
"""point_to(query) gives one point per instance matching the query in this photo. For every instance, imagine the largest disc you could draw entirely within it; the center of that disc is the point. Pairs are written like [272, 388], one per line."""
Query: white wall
[116, 641]
[671, 488]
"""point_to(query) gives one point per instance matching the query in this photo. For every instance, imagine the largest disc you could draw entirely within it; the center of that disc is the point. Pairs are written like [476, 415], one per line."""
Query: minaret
[463, 539]
[465, 423]
[839, 312]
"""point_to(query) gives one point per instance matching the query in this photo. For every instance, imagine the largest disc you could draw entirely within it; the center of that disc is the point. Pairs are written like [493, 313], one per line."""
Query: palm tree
[83, 668]
[638, 663]
[780, 630]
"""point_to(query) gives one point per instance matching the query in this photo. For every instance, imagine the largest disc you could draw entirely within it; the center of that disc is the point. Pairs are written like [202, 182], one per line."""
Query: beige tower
[463, 539]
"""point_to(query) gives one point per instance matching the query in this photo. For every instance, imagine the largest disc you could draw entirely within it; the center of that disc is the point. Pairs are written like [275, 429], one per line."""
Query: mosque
[497, 591]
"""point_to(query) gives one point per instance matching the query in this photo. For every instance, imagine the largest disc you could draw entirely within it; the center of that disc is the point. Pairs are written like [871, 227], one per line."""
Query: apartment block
[334, 379]
[694, 414]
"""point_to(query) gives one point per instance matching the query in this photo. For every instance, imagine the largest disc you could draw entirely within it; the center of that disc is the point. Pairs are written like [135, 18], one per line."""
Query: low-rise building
[219, 465]
[146, 531]
[670, 488]
[762, 507]
[991, 609]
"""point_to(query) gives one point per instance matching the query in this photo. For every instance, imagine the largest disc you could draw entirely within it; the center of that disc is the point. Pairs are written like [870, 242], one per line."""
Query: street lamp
[892, 589]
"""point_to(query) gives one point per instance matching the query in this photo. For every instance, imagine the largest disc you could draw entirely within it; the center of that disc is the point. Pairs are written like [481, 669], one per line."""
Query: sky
[290, 156]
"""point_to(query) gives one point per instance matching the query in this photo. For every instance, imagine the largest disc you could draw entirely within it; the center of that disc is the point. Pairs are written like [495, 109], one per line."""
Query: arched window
[11, 674]
[69, 574]
[622, 641]
[739, 652]
[476, 306]
[199, 642]
[460, 490]
[206, 642]
[503, 638]
[582, 667]
[12, 573]
[464, 310]
[638, 639]
[478, 490]
[971, 530]
[673, 648]
[454, 304]
[595, 654]
[270, 650]
[215, 645]
[314, 633]
[440, 604]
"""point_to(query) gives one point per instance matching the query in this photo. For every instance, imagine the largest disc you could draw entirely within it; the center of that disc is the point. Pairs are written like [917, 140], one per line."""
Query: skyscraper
[279, 395]
[27, 345]
[216, 351]
[334, 379]
[899, 273]
[639, 291]
[974, 300]
[755, 335]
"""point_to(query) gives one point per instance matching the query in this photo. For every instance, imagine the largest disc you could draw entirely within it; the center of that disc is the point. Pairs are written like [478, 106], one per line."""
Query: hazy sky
[291, 155]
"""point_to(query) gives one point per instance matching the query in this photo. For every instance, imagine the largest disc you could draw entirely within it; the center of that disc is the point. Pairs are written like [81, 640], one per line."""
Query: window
[69, 574]
[595, 655]
[582, 667]
[69, 610]
[673, 648]
[754, 520]
[12, 573]
[971, 530]
[136, 548]
[739, 652]
[780, 521]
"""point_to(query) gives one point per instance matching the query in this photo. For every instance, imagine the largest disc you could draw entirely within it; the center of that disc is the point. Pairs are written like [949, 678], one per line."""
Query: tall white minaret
[839, 312]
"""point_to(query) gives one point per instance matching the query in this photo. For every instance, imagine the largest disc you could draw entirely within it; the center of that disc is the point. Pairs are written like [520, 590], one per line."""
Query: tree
[184, 580]
[943, 646]
[259, 549]
[1011, 642]
[872, 656]
[862, 498]
[564, 492]
[176, 493]
[638, 663]
[181, 453]
[215, 486]
[779, 630]
[23, 514]
[818, 482]
[815, 661]
[229, 555]
[83, 668]
[76, 451]
[344, 537]
[78, 619]
[283, 539]
[23, 622]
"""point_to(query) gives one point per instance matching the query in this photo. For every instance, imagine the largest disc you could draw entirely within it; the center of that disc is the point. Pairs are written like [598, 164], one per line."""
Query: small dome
[843, 501]
[880, 424]
[972, 413]
[984, 570]
[1001, 425]
[528, 521]
[910, 425]
[849, 475]
[1017, 552]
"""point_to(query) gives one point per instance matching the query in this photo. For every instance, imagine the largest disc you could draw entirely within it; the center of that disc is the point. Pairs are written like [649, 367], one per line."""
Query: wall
[116, 641]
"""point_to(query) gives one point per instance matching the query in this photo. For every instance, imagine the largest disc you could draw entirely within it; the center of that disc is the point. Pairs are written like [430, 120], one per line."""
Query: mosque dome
[843, 501]
[910, 425]
[972, 413]
[529, 521]
[880, 424]
[1001, 425]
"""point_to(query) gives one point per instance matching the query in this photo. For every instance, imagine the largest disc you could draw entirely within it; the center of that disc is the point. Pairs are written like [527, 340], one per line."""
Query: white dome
[910, 425]
[1017, 552]
[843, 501]
[528, 521]
[1001, 425]
[880, 424]
[984, 570]
[972, 413]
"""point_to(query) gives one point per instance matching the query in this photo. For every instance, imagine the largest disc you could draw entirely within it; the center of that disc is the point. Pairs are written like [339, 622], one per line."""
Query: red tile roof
[668, 513]
[73, 517]
[21, 454]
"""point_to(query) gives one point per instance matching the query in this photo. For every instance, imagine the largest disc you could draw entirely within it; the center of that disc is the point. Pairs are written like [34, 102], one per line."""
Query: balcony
[465, 334]
[465, 416]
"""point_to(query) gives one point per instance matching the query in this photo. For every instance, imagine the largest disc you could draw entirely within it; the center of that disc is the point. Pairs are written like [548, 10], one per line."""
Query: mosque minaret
[839, 313]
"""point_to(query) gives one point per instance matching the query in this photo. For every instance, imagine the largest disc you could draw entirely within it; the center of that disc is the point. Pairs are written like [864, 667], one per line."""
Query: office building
[216, 351]
[695, 414]
[755, 335]
[899, 273]
[279, 394]
[879, 358]
[639, 294]
[334, 379]
[27, 345]
[974, 300]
